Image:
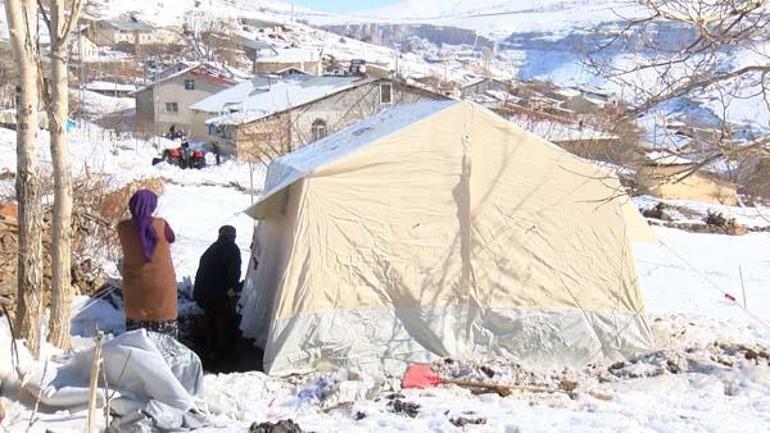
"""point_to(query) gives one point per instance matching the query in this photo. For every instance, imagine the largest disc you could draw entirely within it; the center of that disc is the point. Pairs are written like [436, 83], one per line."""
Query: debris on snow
[403, 407]
[462, 421]
[657, 212]
[283, 426]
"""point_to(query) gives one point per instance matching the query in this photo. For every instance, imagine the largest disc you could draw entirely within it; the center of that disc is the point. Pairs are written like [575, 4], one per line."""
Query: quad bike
[176, 156]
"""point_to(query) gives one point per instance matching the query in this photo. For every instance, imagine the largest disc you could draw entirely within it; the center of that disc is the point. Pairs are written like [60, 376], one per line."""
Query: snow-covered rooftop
[254, 100]
[211, 71]
[108, 86]
[560, 132]
[667, 158]
[129, 24]
[235, 95]
[289, 55]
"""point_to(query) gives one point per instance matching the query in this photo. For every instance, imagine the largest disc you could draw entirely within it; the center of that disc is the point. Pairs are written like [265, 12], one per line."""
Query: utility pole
[81, 76]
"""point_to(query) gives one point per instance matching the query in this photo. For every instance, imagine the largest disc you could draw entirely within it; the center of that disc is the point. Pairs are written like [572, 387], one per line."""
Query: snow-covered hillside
[172, 12]
[499, 18]
[551, 40]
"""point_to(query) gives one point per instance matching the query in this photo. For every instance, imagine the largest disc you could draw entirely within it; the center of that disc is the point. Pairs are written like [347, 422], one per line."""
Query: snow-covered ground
[688, 317]
[98, 104]
[691, 385]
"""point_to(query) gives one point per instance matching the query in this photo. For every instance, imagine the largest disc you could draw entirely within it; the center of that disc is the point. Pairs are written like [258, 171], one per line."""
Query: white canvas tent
[440, 229]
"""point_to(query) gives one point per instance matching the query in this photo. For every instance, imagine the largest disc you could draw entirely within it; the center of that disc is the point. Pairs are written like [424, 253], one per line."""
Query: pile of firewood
[86, 277]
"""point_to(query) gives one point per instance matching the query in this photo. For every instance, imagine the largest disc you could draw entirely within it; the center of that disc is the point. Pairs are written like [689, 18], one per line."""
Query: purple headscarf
[142, 205]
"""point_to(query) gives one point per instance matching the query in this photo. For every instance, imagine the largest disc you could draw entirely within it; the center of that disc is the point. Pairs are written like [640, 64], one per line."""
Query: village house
[120, 31]
[437, 84]
[130, 33]
[669, 176]
[482, 86]
[260, 120]
[224, 102]
[574, 136]
[82, 48]
[261, 24]
[167, 102]
[278, 60]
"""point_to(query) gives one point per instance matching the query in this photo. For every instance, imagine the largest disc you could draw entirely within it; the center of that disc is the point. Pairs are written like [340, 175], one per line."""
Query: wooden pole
[93, 383]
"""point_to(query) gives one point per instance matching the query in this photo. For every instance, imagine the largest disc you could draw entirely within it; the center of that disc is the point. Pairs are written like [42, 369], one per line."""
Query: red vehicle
[184, 157]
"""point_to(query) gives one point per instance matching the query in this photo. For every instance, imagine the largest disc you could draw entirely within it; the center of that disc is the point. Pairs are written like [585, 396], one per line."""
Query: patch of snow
[98, 104]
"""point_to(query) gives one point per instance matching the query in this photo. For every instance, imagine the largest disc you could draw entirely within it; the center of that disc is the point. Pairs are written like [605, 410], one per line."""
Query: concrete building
[167, 102]
[261, 121]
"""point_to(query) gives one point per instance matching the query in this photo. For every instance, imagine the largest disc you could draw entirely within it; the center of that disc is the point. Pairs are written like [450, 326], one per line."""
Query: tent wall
[272, 245]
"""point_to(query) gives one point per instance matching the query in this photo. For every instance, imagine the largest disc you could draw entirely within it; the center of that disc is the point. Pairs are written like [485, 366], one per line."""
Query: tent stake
[743, 287]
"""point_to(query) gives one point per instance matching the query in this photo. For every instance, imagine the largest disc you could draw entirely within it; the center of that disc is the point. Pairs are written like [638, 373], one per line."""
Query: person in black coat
[216, 281]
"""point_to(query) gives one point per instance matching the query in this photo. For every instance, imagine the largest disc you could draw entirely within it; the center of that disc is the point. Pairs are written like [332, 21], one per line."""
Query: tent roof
[294, 166]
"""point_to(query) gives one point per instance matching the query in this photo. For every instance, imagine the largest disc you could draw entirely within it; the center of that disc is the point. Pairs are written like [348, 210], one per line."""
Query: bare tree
[22, 24]
[682, 49]
[56, 97]
[210, 38]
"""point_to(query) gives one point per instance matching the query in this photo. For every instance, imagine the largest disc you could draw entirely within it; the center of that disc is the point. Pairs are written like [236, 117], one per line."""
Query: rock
[657, 212]
[488, 371]
[568, 385]
[402, 407]
[463, 421]
[283, 426]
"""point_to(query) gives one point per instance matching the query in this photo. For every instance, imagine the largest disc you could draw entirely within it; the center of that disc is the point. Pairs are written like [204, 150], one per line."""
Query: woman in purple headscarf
[149, 282]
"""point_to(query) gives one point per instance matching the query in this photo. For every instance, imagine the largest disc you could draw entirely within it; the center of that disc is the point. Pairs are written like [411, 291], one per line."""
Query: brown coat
[149, 288]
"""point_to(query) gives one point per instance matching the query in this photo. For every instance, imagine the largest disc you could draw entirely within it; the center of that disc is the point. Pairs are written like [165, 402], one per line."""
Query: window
[318, 129]
[172, 107]
[189, 84]
[386, 93]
